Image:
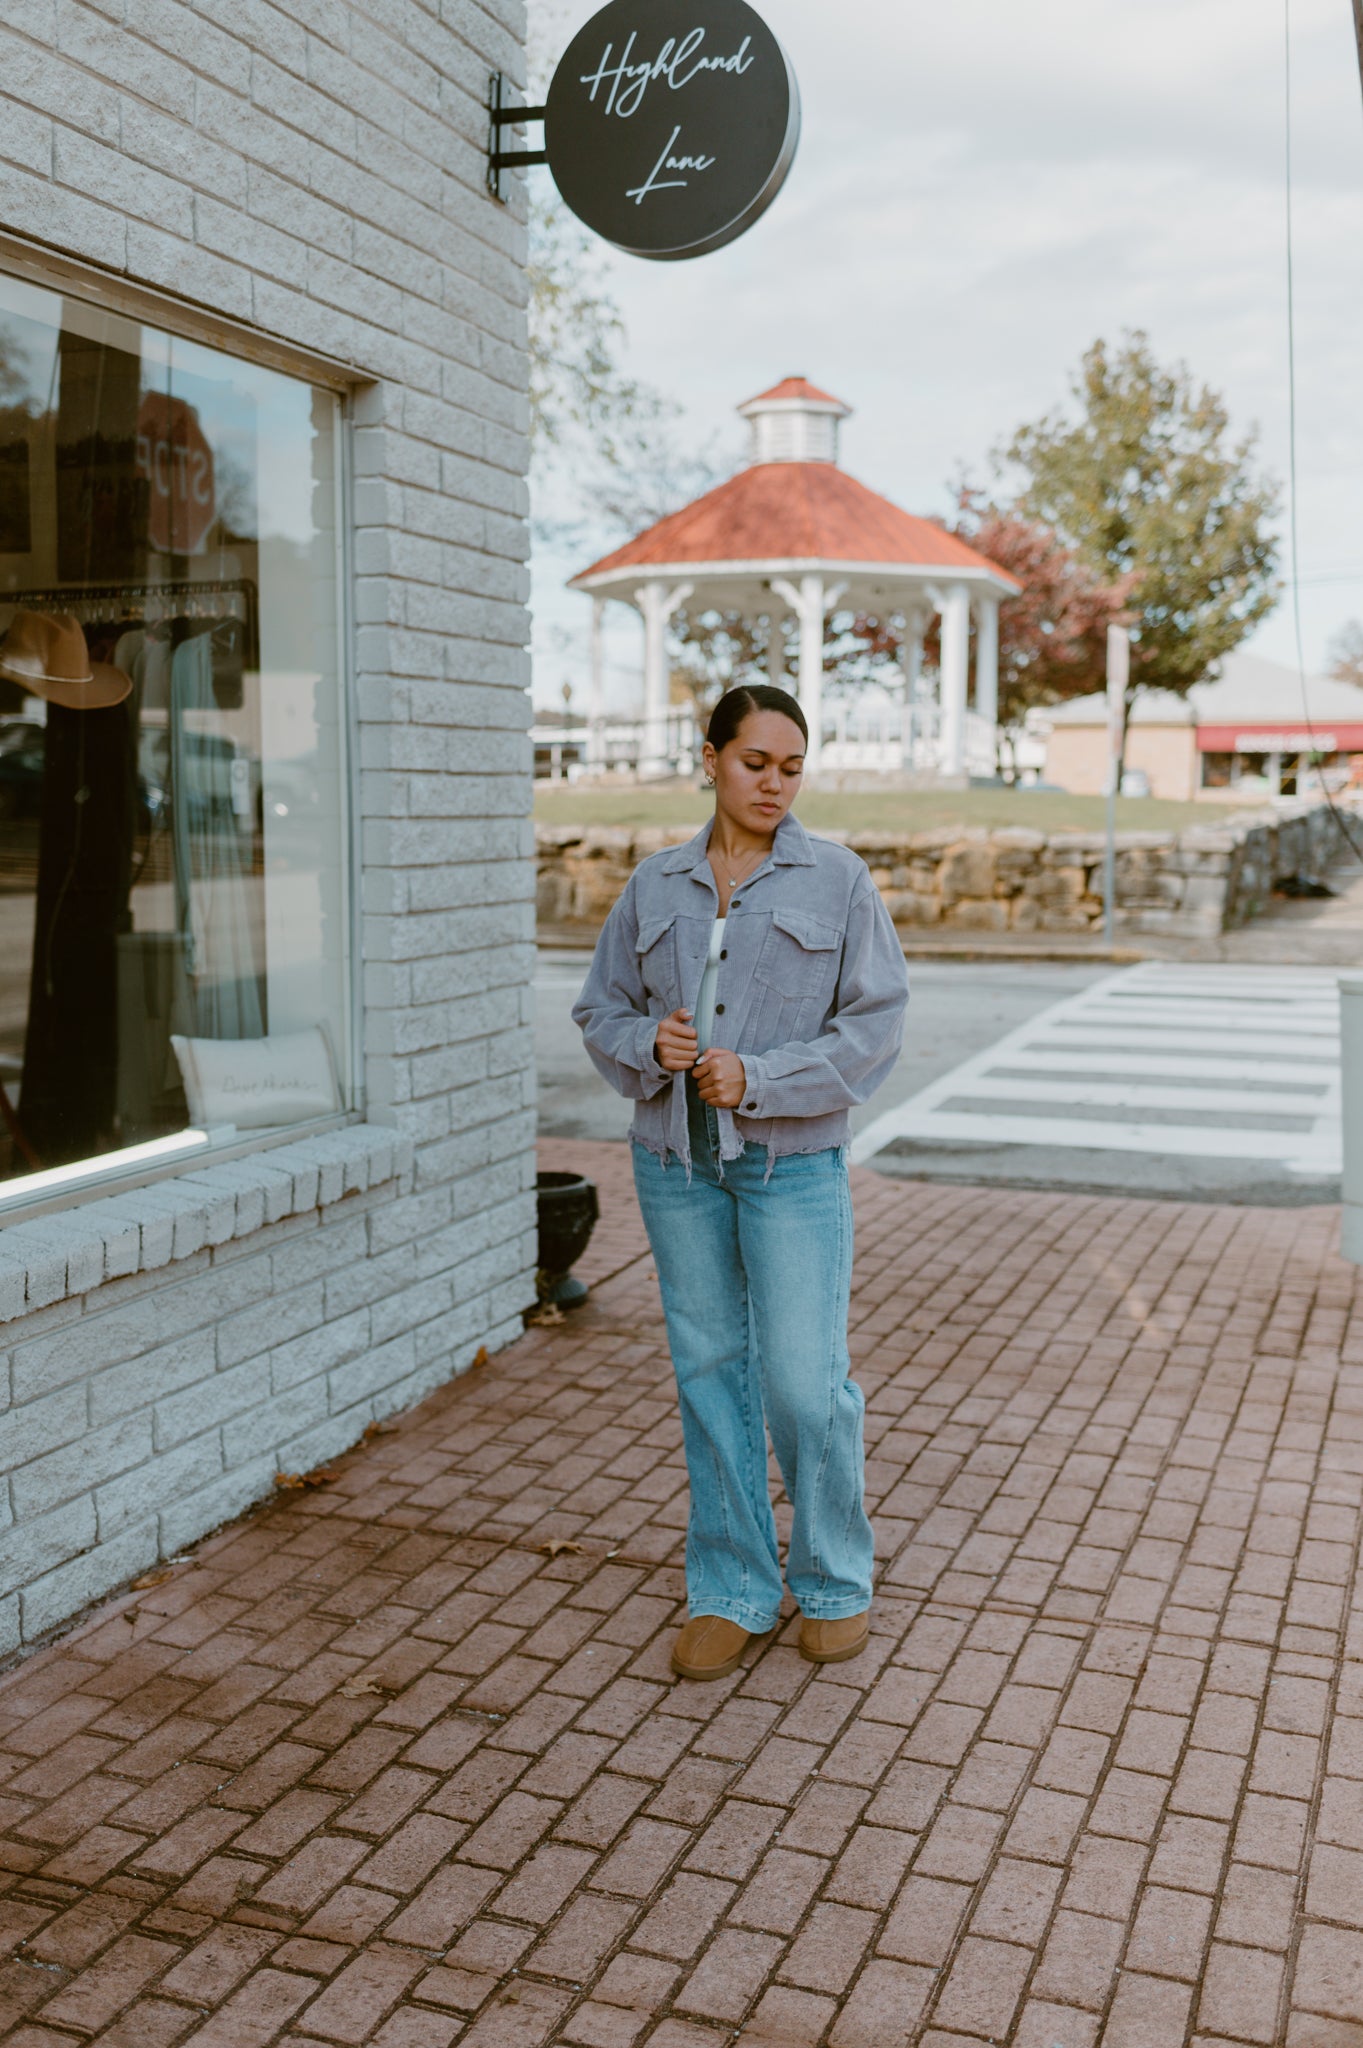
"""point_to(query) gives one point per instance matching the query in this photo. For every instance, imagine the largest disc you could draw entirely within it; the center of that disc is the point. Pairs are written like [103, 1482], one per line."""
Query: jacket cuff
[654, 1077]
[754, 1087]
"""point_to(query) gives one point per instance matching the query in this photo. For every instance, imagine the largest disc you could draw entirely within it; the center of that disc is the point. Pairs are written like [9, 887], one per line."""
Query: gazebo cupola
[793, 536]
[794, 422]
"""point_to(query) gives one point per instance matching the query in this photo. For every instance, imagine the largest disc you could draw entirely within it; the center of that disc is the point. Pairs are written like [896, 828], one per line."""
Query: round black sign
[671, 124]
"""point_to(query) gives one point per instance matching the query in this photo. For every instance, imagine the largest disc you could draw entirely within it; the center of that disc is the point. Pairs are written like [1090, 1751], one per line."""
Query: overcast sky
[981, 190]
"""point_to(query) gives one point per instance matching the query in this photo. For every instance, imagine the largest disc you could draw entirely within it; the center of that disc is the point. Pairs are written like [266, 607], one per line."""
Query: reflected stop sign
[176, 461]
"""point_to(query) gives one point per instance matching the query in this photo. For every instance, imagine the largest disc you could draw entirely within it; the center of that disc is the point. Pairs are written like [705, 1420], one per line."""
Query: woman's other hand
[721, 1079]
[677, 1045]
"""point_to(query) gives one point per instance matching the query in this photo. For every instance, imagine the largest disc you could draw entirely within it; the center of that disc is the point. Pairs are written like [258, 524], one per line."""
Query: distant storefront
[266, 1136]
[1255, 731]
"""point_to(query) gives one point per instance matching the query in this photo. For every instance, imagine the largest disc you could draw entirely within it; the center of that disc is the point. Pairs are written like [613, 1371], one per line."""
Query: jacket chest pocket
[658, 966]
[800, 956]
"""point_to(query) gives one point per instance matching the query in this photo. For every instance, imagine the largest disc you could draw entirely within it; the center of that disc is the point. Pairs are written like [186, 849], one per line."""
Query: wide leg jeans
[755, 1273]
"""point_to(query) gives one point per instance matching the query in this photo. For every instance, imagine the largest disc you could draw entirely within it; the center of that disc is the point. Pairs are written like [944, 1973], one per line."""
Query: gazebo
[793, 535]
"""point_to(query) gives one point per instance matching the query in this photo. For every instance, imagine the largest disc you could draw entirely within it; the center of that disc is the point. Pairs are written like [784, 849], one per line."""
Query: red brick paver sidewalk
[378, 1769]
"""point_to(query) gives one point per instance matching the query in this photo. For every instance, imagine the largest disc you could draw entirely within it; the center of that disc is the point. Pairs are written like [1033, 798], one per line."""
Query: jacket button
[724, 953]
[751, 1105]
[719, 1009]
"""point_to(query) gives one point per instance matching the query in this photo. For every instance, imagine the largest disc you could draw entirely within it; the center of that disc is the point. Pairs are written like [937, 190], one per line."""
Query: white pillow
[257, 1082]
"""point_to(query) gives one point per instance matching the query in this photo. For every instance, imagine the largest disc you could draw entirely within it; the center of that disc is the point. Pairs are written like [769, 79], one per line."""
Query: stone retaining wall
[1206, 879]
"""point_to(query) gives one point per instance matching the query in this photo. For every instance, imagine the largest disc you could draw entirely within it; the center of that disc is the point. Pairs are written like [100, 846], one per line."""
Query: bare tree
[1346, 654]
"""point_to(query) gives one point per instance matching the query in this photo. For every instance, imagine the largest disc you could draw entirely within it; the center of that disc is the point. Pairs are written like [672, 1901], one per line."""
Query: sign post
[1118, 675]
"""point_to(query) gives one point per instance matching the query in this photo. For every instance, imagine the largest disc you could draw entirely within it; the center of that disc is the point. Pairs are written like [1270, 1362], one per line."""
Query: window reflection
[172, 886]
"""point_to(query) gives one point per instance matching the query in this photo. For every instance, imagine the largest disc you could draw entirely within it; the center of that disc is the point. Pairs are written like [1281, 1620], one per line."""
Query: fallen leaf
[480, 1358]
[149, 1579]
[556, 1546]
[288, 1479]
[547, 1316]
[366, 1688]
[373, 1429]
[323, 1476]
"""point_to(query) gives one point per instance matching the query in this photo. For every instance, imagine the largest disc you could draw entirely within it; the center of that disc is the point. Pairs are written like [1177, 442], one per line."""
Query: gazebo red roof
[796, 387]
[792, 512]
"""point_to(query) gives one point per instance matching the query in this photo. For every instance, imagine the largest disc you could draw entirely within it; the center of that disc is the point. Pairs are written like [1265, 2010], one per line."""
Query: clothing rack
[96, 603]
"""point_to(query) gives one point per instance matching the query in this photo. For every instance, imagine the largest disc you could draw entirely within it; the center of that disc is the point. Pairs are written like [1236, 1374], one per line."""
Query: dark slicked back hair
[736, 705]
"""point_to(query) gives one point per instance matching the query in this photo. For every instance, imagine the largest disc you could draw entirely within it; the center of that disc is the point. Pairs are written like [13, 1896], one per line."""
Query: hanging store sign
[1231, 739]
[670, 124]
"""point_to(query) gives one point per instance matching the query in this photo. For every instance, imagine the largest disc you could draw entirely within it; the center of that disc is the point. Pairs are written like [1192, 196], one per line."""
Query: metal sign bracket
[499, 117]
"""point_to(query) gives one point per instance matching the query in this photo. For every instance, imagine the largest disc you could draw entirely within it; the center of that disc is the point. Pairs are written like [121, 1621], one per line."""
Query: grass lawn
[879, 811]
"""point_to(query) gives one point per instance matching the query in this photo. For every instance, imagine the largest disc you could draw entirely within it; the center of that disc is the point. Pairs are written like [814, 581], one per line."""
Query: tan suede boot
[709, 1647]
[833, 1642]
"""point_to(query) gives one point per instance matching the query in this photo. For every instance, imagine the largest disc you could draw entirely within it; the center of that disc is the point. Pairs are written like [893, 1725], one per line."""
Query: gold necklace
[753, 863]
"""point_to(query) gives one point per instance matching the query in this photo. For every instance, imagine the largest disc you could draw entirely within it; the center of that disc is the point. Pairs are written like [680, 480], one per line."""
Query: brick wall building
[266, 916]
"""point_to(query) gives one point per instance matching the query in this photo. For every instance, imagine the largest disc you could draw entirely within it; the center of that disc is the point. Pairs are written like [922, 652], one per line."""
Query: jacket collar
[791, 848]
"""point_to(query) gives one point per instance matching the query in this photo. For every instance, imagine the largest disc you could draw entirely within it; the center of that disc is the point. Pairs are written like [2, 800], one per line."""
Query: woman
[747, 990]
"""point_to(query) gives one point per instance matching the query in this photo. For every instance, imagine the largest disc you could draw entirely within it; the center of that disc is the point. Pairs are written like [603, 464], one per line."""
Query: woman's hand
[721, 1078]
[676, 1045]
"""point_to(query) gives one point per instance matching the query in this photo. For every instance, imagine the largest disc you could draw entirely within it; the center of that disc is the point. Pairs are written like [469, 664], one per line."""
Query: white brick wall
[315, 170]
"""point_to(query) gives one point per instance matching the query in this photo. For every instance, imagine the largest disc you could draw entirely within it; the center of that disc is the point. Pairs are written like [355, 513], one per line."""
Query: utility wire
[1293, 551]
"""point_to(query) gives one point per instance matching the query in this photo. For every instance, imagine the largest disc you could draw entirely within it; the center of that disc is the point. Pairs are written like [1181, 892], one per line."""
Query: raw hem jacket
[811, 995]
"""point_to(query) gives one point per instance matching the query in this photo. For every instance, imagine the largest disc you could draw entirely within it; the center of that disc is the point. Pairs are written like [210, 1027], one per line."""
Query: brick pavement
[376, 1768]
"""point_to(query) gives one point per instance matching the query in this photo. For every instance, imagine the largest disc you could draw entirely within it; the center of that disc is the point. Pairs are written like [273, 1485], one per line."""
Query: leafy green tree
[1155, 494]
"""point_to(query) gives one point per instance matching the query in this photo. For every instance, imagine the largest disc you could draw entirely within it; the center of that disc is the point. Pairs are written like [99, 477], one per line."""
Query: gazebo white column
[911, 665]
[596, 706]
[987, 660]
[657, 603]
[807, 602]
[955, 676]
[776, 651]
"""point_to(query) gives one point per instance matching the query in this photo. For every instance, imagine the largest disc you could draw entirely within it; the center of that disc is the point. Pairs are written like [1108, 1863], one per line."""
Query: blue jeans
[756, 1277]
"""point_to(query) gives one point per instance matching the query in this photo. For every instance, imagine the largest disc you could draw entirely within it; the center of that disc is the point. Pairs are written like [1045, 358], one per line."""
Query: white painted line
[1299, 1151]
[1123, 1043]
[875, 1136]
[1086, 1032]
[1135, 1095]
[1316, 1071]
[1216, 1017]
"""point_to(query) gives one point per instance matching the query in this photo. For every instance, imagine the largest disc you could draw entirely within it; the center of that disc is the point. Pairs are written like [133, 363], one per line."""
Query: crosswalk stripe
[1135, 1095]
[1088, 1032]
[1072, 1061]
[1250, 1056]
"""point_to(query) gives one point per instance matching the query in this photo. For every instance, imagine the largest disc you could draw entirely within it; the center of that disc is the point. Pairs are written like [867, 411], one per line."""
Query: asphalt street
[1198, 1083]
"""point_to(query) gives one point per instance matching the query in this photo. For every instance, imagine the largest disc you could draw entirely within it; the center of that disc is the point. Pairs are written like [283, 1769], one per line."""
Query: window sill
[52, 1257]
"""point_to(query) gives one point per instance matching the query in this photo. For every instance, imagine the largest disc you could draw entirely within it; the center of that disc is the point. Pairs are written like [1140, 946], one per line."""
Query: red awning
[1281, 739]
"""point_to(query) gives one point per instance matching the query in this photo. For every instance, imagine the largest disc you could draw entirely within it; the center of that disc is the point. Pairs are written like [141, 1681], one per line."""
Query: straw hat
[45, 652]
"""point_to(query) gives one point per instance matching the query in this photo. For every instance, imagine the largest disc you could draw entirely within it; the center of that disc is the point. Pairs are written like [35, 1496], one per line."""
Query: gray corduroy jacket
[811, 995]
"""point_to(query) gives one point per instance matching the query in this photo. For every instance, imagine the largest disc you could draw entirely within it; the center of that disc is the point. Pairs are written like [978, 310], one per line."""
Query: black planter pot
[567, 1209]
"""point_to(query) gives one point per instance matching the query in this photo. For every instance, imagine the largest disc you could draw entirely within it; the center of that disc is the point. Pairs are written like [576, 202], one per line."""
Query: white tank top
[709, 981]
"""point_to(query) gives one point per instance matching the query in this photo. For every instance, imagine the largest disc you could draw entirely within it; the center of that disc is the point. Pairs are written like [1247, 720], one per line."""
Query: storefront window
[173, 902]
